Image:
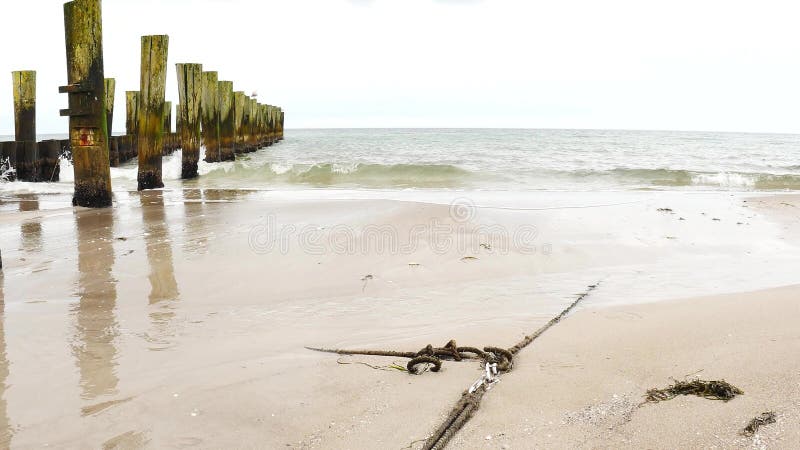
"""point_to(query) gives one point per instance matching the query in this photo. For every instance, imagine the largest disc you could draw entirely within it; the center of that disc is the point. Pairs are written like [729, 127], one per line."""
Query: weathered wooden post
[167, 117]
[110, 91]
[226, 122]
[238, 126]
[131, 125]
[178, 123]
[49, 152]
[24, 105]
[280, 124]
[210, 112]
[132, 112]
[113, 145]
[264, 138]
[246, 123]
[190, 89]
[88, 130]
[272, 125]
[253, 121]
[27, 165]
[166, 141]
[151, 110]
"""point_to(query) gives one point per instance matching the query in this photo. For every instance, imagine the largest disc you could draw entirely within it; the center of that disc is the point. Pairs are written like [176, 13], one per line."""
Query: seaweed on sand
[756, 423]
[713, 390]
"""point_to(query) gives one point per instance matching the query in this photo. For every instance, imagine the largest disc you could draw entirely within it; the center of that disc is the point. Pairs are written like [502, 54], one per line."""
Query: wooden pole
[49, 152]
[151, 110]
[166, 141]
[167, 117]
[110, 89]
[27, 161]
[251, 127]
[265, 125]
[190, 90]
[113, 144]
[280, 124]
[245, 131]
[24, 105]
[238, 134]
[129, 148]
[88, 130]
[226, 121]
[210, 112]
[272, 127]
[178, 123]
[132, 112]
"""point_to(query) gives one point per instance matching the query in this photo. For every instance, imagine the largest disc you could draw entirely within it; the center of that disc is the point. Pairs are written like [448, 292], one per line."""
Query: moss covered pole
[151, 110]
[280, 124]
[132, 112]
[226, 121]
[210, 116]
[167, 143]
[190, 89]
[88, 132]
[24, 105]
[113, 144]
[110, 90]
[238, 125]
[27, 164]
[167, 117]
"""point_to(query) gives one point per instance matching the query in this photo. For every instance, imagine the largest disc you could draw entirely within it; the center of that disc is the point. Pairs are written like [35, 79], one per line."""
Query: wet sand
[179, 318]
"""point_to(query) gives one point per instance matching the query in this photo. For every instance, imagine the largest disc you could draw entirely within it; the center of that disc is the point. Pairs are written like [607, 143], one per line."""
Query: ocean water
[491, 159]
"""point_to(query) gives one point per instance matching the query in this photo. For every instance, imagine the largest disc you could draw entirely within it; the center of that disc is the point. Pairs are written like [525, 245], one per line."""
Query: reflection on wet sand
[5, 424]
[96, 326]
[194, 211]
[31, 230]
[163, 287]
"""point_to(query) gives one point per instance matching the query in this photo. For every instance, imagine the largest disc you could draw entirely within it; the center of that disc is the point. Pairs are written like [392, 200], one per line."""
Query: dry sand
[177, 320]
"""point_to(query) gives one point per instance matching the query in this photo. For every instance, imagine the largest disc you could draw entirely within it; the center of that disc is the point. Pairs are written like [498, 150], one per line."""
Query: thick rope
[469, 401]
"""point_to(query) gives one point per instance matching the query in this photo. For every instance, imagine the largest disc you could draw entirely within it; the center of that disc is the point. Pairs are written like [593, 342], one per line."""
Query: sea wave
[265, 174]
[687, 178]
[357, 174]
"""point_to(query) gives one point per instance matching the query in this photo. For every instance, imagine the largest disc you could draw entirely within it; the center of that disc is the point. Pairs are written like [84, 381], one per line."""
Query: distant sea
[492, 159]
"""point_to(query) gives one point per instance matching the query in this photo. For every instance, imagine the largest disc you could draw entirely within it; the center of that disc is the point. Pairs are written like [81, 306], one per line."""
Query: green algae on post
[190, 89]
[24, 105]
[226, 121]
[151, 110]
[210, 116]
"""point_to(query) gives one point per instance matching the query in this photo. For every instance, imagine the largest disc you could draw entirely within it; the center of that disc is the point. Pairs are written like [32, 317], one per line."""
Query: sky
[665, 65]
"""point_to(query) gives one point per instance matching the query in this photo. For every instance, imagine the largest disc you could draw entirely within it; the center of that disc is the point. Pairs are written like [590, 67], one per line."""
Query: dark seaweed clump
[713, 390]
[756, 423]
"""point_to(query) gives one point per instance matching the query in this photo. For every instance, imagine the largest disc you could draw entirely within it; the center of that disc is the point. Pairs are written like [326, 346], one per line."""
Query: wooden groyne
[211, 117]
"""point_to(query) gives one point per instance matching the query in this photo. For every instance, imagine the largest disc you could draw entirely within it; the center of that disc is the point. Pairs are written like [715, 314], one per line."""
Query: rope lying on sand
[495, 359]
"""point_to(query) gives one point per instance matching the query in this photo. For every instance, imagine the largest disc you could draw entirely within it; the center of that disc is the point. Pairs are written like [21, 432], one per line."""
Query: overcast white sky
[689, 65]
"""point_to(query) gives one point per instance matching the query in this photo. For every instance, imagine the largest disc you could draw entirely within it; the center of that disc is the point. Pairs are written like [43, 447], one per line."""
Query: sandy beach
[179, 318]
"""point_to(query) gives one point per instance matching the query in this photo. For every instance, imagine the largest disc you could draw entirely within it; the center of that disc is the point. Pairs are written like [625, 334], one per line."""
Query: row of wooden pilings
[209, 114]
